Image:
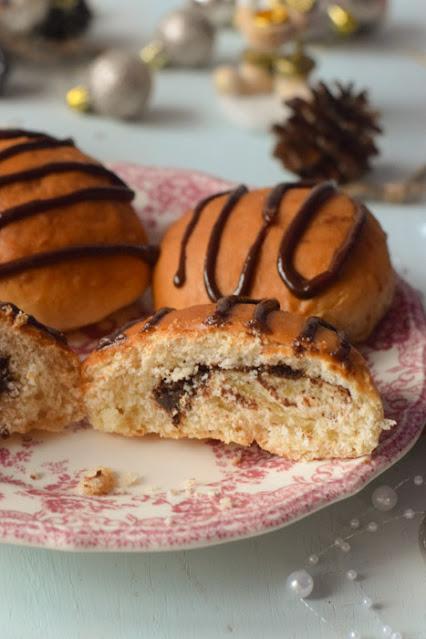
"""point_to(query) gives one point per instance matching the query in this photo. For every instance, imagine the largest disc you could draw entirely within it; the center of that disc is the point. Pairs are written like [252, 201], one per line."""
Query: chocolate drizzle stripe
[90, 194]
[180, 275]
[53, 168]
[155, 319]
[261, 312]
[224, 308]
[8, 307]
[270, 213]
[214, 242]
[10, 134]
[147, 253]
[45, 142]
[300, 286]
[308, 334]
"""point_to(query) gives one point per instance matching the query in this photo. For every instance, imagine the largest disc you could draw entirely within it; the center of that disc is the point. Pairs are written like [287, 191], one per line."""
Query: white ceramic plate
[195, 493]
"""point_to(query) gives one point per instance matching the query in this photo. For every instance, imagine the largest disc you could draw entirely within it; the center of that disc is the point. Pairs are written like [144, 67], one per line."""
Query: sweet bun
[312, 247]
[239, 372]
[72, 248]
[39, 375]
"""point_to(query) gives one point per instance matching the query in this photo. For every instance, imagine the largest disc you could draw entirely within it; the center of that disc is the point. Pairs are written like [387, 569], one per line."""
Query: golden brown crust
[355, 302]
[71, 293]
[284, 327]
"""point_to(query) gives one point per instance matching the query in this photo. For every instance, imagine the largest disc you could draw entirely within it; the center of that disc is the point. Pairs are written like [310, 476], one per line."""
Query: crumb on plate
[100, 481]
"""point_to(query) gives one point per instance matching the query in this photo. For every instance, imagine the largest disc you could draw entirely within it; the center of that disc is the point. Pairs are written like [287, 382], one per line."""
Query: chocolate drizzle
[155, 319]
[180, 275]
[308, 334]
[147, 253]
[53, 168]
[45, 142]
[117, 191]
[224, 307]
[214, 242]
[260, 316]
[119, 335]
[90, 194]
[11, 309]
[300, 286]
[261, 311]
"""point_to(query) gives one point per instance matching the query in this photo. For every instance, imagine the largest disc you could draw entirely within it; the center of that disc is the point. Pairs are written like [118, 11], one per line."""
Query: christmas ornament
[119, 85]
[218, 12]
[183, 38]
[330, 136]
[292, 73]
[300, 583]
[22, 16]
[65, 19]
[265, 29]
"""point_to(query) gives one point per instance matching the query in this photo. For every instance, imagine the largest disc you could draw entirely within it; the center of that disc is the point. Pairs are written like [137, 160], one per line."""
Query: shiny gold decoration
[267, 17]
[342, 20]
[302, 6]
[154, 54]
[77, 98]
[265, 59]
[296, 64]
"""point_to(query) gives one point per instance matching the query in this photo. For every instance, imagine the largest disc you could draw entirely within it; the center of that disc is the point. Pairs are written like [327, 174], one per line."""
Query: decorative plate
[183, 494]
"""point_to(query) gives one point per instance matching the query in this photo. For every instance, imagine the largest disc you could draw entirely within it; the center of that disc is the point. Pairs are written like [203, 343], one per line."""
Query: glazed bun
[39, 375]
[72, 249]
[312, 247]
[238, 372]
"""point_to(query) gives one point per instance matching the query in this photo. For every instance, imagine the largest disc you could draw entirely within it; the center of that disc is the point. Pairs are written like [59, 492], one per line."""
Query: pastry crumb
[100, 481]
[236, 461]
[130, 479]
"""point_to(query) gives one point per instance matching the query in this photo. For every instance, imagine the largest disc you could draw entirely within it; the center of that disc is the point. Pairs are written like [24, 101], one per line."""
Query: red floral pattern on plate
[247, 491]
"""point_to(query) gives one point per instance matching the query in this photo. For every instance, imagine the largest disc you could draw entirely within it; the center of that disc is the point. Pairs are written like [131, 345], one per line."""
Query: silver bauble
[22, 16]
[187, 37]
[218, 12]
[119, 84]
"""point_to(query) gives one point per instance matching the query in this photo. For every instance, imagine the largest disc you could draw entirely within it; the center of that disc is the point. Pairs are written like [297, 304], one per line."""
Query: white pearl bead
[418, 480]
[345, 547]
[409, 513]
[313, 560]
[354, 523]
[372, 527]
[352, 575]
[354, 634]
[396, 635]
[367, 602]
[338, 542]
[384, 498]
[300, 583]
[387, 631]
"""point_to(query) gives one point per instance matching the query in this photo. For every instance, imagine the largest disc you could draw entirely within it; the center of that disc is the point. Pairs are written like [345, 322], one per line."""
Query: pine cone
[330, 136]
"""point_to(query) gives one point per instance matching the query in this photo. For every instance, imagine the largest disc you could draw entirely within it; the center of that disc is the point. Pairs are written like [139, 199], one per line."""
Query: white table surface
[238, 589]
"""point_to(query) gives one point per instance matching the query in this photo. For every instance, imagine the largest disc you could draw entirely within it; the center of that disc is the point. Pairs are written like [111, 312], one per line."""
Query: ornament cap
[78, 98]
[342, 20]
[154, 54]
